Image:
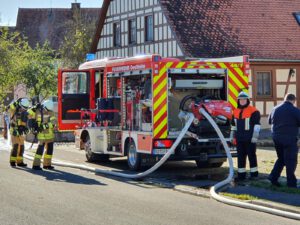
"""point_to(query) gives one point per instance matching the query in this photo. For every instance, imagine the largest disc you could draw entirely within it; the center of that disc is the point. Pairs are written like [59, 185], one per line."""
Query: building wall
[281, 84]
[121, 11]
[20, 91]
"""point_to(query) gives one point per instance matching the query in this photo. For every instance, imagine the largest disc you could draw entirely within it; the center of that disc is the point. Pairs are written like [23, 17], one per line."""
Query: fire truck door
[73, 95]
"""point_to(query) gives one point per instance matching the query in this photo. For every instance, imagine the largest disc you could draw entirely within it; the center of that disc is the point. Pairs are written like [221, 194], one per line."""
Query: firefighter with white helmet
[43, 125]
[245, 130]
[18, 129]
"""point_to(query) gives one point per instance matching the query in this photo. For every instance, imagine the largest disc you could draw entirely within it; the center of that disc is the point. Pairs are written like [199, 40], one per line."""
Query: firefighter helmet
[24, 103]
[243, 95]
[48, 105]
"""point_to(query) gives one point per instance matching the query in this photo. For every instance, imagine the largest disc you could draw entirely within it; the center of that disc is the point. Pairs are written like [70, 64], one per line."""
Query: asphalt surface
[71, 196]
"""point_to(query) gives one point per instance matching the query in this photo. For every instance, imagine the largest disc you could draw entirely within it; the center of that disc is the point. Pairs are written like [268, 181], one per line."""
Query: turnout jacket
[18, 120]
[243, 122]
[43, 123]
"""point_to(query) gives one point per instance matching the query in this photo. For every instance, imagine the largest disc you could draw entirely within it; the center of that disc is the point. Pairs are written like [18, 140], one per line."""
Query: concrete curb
[193, 191]
[279, 206]
[205, 193]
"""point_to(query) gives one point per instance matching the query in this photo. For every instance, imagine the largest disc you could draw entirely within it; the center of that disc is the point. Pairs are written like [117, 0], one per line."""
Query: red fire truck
[129, 106]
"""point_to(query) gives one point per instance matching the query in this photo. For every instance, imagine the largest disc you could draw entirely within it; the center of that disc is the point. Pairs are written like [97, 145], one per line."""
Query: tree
[36, 68]
[39, 71]
[11, 46]
[77, 40]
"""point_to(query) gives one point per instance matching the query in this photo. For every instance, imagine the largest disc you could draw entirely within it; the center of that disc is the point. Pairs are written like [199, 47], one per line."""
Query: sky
[9, 8]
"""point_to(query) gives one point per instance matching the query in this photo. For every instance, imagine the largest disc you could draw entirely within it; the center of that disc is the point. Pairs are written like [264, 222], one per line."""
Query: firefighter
[18, 129]
[285, 121]
[43, 126]
[245, 130]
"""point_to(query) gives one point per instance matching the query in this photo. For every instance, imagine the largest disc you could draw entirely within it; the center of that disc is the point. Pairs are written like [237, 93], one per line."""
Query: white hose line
[227, 181]
[190, 117]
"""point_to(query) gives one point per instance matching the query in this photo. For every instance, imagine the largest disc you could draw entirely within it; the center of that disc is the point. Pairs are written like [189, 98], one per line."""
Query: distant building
[268, 31]
[39, 25]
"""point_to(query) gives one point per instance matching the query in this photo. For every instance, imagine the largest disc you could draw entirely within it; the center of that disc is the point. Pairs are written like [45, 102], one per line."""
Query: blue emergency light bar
[90, 57]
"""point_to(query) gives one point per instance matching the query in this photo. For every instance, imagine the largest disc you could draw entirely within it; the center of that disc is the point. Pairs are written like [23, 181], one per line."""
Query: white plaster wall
[166, 48]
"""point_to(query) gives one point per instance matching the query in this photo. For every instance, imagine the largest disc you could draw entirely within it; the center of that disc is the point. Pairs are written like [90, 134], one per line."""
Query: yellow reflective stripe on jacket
[31, 113]
[12, 106]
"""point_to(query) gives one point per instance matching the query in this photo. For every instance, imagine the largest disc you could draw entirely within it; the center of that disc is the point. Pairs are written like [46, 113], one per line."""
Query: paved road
[70, 196]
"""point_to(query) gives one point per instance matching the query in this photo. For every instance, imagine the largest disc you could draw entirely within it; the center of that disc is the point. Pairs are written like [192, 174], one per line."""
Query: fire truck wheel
[90, 156]
[133, 157]
[201, 164]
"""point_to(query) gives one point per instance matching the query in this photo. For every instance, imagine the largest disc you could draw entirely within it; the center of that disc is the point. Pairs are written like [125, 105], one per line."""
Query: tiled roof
[264, 29]
[39, 25]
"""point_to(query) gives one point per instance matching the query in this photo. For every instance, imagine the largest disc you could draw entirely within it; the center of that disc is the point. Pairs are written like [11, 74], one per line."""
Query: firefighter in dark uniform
[18, 129]
[285, 121]
[245, 130]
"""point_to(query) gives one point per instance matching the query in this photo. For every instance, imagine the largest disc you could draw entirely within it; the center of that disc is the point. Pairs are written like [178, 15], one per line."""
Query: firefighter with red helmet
[18, 129]
[245, 130]
[43, 126]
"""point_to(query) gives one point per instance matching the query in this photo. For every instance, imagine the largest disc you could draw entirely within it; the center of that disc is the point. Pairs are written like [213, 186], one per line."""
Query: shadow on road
[169, 175]
[63, 176]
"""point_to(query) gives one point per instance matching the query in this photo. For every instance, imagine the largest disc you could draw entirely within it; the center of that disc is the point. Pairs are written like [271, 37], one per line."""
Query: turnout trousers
[47, 156]
[17, 151]
[244, 149]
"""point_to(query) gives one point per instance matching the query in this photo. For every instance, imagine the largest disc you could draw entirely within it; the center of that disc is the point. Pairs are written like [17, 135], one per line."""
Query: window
[117, 34]
[74, 83]
[264, 84]
[297, 16]
[149, 28]
[132, 31]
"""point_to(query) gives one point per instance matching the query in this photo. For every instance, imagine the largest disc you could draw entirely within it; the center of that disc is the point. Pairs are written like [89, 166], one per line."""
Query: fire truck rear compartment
[203, 86]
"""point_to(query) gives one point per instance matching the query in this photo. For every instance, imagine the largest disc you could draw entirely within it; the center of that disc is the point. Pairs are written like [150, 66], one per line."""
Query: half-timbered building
[266, 30]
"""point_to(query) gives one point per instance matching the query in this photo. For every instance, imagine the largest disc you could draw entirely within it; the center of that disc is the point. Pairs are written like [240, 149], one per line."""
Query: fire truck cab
[129, 106]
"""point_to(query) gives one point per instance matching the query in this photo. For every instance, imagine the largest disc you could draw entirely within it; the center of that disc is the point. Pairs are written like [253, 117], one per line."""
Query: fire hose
[189, 117]
[228, 180]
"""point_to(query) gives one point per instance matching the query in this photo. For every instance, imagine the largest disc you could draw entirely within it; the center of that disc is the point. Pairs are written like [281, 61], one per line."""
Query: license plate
[160, 151]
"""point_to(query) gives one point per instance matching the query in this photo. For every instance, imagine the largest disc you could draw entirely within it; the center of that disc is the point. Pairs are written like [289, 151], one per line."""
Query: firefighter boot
[13, 155]
[241, 176]
[36, 168]
[20, 157]
[48, 157]
[254, 175]
[36, 165]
